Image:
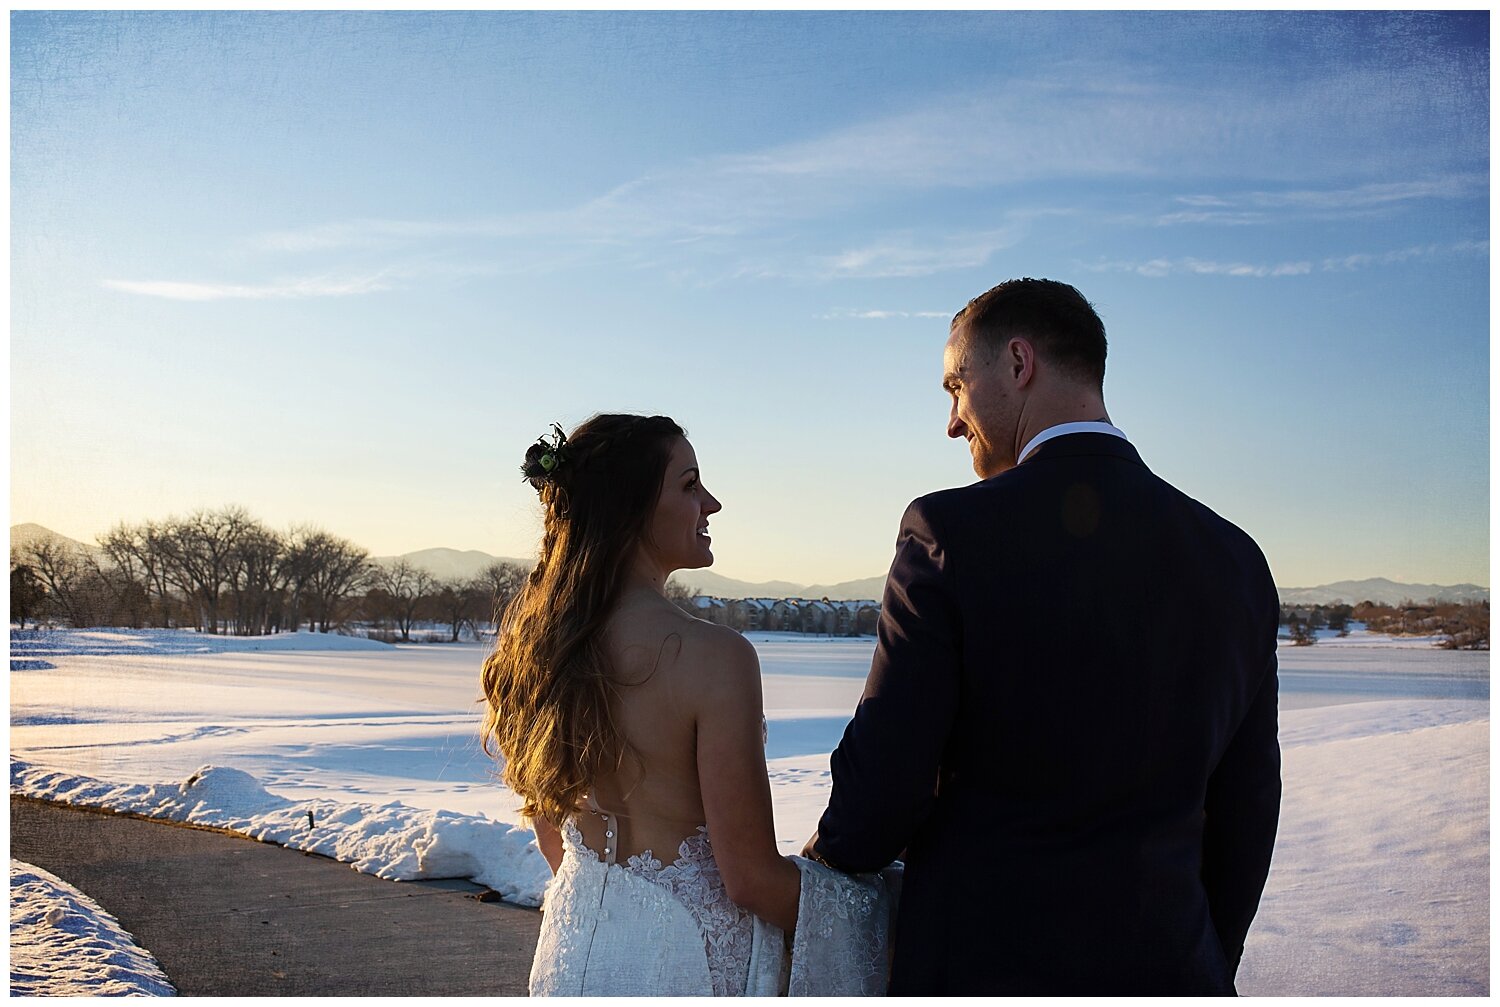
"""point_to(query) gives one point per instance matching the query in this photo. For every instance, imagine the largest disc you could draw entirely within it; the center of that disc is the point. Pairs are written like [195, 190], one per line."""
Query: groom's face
[983, 409]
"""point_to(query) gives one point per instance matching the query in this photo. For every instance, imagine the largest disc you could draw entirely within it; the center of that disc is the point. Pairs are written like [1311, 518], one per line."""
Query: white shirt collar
[1061, 429]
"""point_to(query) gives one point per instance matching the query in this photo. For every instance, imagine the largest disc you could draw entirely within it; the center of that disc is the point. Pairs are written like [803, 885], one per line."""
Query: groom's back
[1115, 637]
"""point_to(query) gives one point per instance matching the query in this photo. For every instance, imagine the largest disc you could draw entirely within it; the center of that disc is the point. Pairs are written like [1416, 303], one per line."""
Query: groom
[1069, 730]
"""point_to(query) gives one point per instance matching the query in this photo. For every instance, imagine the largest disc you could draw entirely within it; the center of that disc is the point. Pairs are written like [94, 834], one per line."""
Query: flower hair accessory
[545, 456]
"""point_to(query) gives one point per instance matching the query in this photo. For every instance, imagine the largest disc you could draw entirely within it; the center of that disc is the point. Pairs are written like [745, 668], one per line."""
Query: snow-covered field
[369, 753]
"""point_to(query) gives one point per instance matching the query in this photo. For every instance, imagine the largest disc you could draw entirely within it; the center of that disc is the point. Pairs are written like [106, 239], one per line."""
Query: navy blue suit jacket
[1069, 733]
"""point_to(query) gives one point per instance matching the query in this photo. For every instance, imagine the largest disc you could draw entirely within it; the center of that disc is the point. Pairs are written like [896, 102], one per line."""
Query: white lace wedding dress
[643, 928]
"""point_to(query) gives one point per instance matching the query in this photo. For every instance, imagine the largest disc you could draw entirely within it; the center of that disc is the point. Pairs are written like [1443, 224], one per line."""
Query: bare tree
[297, 562]
[682, 596]
[64, 573]
[460, 603]
[327, 570]
[256, 579]
[130, 569]
[27, 595]
[200, 555]
[498, 584]
[126, 564]
[147, 541]
[125, 601]
[407, 586]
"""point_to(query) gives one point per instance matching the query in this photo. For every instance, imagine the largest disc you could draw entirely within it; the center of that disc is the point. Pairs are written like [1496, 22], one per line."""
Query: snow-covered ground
[63, 944]
[369, 753]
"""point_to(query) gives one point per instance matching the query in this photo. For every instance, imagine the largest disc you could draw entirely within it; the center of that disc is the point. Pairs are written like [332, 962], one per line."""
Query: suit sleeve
[1242, 807]
[885, 770]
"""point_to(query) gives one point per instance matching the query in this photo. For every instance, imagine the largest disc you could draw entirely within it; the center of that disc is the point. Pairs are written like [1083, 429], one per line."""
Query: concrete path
[229, 916]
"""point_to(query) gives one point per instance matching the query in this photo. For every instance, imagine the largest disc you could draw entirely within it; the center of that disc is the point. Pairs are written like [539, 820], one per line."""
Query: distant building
[753, 614]
[714, 610]
[819, 617]
[857, 617]
[795, 615]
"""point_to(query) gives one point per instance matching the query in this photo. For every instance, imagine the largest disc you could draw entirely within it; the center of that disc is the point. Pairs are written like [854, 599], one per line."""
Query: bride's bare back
[662, 658]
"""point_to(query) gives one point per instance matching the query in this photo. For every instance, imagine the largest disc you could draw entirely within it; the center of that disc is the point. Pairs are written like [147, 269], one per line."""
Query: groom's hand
[810, 851]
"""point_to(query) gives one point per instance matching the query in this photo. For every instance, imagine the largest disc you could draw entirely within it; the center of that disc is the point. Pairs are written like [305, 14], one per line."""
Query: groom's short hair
[1058, 321]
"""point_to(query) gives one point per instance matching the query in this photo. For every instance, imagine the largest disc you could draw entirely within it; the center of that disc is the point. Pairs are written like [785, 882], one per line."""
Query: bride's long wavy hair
[548, 684]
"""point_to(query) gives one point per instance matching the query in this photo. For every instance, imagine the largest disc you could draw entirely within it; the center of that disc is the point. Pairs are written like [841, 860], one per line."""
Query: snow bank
[390, 841]
[30, 648]
[63, 944]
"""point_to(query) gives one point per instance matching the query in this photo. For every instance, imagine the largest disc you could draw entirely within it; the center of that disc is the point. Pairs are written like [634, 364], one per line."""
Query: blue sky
[343, 267]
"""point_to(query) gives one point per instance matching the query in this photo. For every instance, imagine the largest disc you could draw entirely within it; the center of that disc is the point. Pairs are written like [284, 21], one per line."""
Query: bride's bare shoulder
[649, 632]
[717, 658]
[712, 640]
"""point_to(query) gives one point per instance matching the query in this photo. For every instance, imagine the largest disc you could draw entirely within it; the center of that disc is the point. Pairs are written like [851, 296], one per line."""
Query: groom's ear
[1020, 361]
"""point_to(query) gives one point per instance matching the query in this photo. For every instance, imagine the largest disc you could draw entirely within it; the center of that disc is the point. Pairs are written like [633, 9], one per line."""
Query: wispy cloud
[766, 212]
[1362, 260]
[1161, 267]
[906, 255]
[1464, 186]
[320, 286]
[1103, 125]
[1259, 207]
[1224, 217]
[1156, 268]
[1203, 201]
[881, 314]
[375, 233]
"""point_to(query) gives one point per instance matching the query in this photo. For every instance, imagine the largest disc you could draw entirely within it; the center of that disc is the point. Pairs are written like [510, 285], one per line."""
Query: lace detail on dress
[693, 879]
[842, 942]
[607, 932]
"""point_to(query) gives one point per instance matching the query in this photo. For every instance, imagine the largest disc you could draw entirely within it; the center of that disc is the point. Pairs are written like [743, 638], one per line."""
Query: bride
[634, 732]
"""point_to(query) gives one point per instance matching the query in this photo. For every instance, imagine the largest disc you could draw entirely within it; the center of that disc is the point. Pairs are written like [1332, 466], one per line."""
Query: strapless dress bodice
[642, 925]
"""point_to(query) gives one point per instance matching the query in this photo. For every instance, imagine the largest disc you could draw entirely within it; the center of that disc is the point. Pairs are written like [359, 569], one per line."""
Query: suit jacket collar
[1084, 445]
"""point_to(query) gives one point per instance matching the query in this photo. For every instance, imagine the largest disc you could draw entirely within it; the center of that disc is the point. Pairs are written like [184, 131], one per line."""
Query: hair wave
[549, 686]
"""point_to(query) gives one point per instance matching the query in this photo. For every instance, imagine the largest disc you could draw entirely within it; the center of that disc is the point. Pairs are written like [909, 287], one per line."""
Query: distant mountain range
[22, 535]
[1380, 591]
[720, 586]
[450, 564]
[446, 564]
